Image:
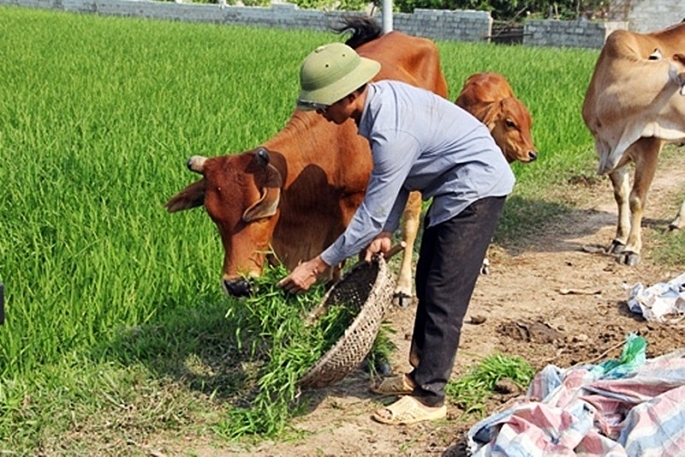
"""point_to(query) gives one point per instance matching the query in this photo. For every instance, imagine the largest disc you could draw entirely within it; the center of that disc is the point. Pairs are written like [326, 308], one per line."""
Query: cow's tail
[364, 29]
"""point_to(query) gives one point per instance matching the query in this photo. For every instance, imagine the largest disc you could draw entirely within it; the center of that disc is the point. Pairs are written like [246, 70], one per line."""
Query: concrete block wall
[579, 34]
[436, 24]
[445, 25]
[648, 15]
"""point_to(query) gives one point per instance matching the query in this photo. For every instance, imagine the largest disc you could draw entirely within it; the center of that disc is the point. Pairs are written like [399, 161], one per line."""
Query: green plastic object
[632, 357]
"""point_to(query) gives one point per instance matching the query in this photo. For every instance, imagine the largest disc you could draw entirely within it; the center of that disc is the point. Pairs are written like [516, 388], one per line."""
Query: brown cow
[489, 97]
[297, 192]
[632, 108]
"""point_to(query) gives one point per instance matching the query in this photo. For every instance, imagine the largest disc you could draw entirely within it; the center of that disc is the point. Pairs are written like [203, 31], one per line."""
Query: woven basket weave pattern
[367, 287]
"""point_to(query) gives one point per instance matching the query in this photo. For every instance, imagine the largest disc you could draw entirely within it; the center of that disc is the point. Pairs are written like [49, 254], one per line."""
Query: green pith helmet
[331, 72]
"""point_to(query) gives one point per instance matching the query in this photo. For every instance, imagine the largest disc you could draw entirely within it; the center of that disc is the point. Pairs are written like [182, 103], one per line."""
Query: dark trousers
[450, 260]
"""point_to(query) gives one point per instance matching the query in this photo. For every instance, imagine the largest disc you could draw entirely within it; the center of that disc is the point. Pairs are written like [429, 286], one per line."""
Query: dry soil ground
[548, 300]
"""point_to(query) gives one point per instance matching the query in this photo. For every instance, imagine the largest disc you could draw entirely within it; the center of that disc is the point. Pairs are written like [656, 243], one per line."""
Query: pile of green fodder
[281, 343]
[472, 390]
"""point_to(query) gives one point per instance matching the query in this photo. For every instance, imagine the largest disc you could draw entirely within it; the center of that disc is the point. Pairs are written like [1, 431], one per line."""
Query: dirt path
[549, 302]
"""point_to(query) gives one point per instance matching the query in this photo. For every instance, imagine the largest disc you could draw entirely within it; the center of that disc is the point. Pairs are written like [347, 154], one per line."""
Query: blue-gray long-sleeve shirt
[420, 141]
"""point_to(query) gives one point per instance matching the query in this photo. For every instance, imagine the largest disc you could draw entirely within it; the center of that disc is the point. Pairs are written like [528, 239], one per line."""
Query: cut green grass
[274, 330]
[472, 390]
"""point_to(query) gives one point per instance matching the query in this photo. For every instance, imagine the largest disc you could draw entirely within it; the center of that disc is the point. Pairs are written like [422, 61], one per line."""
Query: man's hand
[303, 276]
[381, 244]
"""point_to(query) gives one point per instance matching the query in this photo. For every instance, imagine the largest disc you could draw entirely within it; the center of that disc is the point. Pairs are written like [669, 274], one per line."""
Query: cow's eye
[510, 124]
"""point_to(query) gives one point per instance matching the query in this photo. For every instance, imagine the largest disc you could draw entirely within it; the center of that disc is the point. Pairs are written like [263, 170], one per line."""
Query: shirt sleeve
[393, 156]
[393, 221]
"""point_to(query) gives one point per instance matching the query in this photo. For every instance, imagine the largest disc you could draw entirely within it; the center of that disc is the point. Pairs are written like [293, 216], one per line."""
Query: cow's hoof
[629, 258]
[616, 247]
[402, 299]
[485, 268]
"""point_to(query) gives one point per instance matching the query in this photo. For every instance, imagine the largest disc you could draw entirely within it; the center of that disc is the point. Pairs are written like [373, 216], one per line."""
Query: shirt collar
[366, 119]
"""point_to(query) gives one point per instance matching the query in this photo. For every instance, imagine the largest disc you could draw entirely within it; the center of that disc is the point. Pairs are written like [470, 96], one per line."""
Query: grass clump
[270, 325]
[282, 344]
[471, 391]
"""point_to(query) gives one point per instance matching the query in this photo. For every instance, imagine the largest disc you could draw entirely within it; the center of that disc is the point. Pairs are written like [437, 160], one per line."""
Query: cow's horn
[196, 163]
[262, 157]
[273, 176]
[656, 55]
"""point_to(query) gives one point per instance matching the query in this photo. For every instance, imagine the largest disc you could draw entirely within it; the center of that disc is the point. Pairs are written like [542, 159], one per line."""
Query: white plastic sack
[662, 302]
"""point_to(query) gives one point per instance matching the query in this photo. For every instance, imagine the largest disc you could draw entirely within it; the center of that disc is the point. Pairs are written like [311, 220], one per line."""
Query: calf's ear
[492, 114]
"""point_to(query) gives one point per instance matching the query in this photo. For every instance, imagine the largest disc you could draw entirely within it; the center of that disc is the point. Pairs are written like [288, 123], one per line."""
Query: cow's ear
[267, 205]
[190, 197]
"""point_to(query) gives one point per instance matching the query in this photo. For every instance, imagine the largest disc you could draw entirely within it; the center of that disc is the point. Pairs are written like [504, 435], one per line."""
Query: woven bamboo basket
[367, 287]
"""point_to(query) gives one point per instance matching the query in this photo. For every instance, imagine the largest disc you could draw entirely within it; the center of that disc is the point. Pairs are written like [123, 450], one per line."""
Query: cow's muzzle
[236, 287]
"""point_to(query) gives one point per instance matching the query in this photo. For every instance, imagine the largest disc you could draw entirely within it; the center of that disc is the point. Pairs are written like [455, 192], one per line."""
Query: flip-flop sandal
[395, 385]
[408, 410]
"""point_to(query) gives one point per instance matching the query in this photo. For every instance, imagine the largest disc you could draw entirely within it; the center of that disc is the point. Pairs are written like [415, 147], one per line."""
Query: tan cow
[632, 108]
[297, 192]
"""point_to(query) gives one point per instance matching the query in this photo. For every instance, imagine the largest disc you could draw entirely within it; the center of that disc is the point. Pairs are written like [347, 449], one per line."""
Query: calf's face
[510, 123]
